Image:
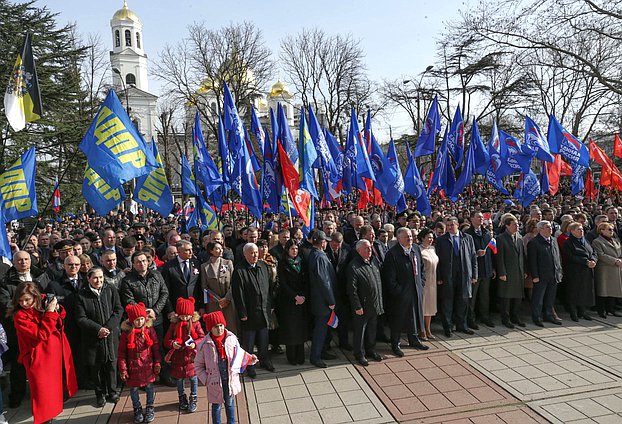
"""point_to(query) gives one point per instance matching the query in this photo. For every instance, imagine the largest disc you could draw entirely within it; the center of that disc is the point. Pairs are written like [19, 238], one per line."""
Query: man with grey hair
[329, 227]
[593, 233]
[364, 288]
[544, 266]
[250, 285]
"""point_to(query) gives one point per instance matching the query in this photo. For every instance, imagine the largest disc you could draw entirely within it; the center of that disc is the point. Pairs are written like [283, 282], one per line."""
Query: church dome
[279, 89]
[125, 14]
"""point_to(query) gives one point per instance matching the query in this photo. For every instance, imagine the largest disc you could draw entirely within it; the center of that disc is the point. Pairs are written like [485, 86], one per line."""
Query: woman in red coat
[44, 351]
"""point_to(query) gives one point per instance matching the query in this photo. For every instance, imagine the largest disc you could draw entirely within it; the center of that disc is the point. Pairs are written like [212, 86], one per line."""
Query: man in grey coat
[510, 263]
[322, 280]
[455, 274]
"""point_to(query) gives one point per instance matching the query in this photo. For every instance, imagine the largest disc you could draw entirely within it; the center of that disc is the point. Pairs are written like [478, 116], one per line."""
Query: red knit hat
[136, 311]
[185, 306]
[213, 319]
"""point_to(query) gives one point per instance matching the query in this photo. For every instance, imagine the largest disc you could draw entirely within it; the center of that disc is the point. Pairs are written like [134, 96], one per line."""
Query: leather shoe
[602, 314]
[488, 323]
[447, 332]
[615, 314]
[586, 317]
[556, 321]
[101, 400]
[327, 356]
[473, 325]
[517, 321]
[250, 371]
[375, 356]
[361, 360]
[319, 364]
[268, 366]
[574, 317]
[277, 350]
[508, 324]
[398, 352]
[113, 397]
[538, 323]
[418, 345]
[466, 331]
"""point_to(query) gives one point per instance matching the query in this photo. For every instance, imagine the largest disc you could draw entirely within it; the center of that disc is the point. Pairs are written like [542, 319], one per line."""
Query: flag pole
[289, 209]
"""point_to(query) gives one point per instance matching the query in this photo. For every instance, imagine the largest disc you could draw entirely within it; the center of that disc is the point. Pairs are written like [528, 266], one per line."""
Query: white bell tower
[128, 54]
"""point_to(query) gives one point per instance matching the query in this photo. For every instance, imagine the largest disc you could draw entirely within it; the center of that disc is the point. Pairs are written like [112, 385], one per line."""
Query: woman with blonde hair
[608, 271]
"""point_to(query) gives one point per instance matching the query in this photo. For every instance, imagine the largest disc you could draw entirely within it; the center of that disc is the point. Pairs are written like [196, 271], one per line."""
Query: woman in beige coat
[216, 282]
[608, 271]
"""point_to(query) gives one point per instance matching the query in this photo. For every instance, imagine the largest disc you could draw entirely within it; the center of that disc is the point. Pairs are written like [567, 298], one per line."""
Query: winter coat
[322, 282]
[139, 363]
[251, 293]
[578, 278]
[46, 355]
[94, 312]
[182, 360]
[364, 286]
[216, 276]
[206, 365]
[445, 270]
[510, 261]
[608, 276]
[151, 290]
[294, 322]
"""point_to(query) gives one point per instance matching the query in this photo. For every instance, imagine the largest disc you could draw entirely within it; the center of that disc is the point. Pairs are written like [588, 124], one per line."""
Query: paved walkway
[560, 374]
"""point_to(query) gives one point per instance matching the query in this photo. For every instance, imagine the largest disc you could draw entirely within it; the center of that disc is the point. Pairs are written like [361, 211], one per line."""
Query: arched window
[128, 38]
[117, 39]
[130, 79]
[138, 40]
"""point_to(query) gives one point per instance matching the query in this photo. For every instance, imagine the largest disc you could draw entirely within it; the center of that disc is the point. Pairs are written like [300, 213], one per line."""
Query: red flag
[554, 171]
[565, 169]
[617, 146]
[300, 198]
[590, 191]
[610, 175]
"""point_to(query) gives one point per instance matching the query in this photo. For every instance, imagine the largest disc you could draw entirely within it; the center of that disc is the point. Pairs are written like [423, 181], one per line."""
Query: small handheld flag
[56, 198]
[333, 321]
[492, 244]
[188, 342]
[241, 359]
[209, 296]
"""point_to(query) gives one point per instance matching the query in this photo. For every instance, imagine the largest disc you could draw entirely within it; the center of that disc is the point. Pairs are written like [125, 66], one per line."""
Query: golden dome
[279, 89]
[207, 85]
[125, 14]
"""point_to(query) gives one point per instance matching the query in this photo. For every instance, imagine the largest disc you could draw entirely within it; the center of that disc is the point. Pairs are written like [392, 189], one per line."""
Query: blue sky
[398, 36]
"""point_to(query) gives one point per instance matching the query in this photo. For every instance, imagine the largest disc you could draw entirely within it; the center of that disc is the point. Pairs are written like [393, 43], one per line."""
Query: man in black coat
[378, 252]
[338, 254]
[352, 235]
[98, 314]
[404, 278]
[545, 268]
[181, 275]
[278, 250]
[455, 274]
[479, 304]
[322, 280]
[250, 285]
[364, 286]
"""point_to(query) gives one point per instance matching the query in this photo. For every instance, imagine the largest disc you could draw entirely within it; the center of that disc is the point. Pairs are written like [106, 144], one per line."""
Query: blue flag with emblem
[206, 217]
[496, 151]
[17, 188]
[325, 159]
[515, 159]
[413, 185]
[114, 147]
[153, 190]
[188, 183]
[545, 186]
[480, 153]
[204, 167]
[226, 163]
[577, 183]
[245, 183]
[385, 178]
[361, 165]
[102, 196]
[527, 188]
[566, 144]
[395, 197]
[535, 142]
[455, 138]
[430, 130]
[443, 177]
[257, 129]
[468, 170]
[270, 180]
[308, 156]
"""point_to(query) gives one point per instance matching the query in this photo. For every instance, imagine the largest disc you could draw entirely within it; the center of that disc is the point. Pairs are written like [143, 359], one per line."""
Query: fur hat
[213, 319]
[136, 311]
[185, 306]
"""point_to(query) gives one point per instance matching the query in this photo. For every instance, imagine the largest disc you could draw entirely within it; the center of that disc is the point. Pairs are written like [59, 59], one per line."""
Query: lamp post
[127, 100]
[427, 69]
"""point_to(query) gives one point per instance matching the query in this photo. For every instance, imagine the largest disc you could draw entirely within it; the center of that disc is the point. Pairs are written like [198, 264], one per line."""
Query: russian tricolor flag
[333, 321]
[493, 245]
[241, 359]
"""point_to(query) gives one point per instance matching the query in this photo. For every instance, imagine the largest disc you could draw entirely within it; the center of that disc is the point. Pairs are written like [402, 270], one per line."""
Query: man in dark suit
[250, 285]
[456, 273]
[479, 304]
[352, 235]
[338, 254]
[278, 250]
[181, 275]
[545, 268]
[404, 278]
[614, 217]
[510, 263]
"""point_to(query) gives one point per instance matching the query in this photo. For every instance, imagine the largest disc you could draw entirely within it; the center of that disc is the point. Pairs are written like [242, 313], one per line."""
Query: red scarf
[131, 339]
[180, 332]
[220, 345]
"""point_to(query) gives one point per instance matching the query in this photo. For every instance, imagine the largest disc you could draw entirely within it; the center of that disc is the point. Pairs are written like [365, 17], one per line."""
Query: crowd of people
[136, 300]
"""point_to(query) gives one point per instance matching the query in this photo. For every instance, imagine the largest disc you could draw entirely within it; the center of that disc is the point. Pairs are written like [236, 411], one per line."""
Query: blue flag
[439, 164]
[577, 178]
[17, 188]
[257, 129]
[226, 163]
[496, 151]
[431, 128]
[204, 167]
[325, 159]
[545, 186]
[336, 151]
[308, 156]
[413, 185]
[480, 153]
[395, 196]
[251, 151]
[153, 190]
[443, 177]
[361, 166]
[527, 188]
[455, 138]
[114, 147]
[385, 177]
[5, 247]
[564, 143]
[270, 179]
[245, 183]
[515, 159]
[101, 196]
[205, 215]
[535, 142]
[468, 170]
[188, 183]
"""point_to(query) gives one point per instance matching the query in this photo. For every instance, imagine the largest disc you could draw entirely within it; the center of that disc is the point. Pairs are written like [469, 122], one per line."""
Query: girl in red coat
[182, 338]
[139, 359]
[44, 351]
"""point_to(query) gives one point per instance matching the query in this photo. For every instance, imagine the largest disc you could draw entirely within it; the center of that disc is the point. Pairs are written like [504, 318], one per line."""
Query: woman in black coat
[580, 261]
[98, 313]
[292, 303]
